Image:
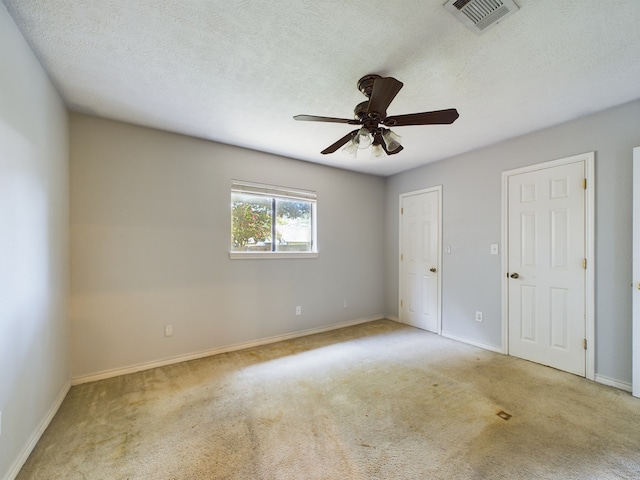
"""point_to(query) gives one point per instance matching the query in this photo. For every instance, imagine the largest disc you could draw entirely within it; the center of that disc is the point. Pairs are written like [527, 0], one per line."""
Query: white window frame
[273, 191]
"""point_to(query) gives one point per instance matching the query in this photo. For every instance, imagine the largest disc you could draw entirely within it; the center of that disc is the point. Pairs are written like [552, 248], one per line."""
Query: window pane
[251, 223]
[293, 226]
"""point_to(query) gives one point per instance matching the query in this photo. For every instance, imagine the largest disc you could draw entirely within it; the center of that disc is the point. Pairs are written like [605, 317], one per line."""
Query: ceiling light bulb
[351, 148]
[363, 138]
[391, 140]
[377, 150]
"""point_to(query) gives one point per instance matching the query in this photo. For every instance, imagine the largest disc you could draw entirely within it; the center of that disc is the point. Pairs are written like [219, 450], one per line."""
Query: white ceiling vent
[479, 15]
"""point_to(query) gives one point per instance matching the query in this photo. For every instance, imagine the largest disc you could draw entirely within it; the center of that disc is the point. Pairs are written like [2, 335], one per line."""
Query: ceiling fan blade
[384, 91]
[314, 118]
[438, 117]
[339, 143]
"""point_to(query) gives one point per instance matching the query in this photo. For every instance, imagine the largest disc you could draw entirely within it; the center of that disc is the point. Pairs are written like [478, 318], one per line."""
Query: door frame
[438, 189]
[635, 279]
[589, 163]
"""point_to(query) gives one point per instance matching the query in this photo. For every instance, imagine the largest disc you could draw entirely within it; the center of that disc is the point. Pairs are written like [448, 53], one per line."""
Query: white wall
[33, 248]
[472, 221]
[150, 232]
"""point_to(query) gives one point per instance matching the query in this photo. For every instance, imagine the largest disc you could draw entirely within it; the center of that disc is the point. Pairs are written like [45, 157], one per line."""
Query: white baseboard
[35, 436]
[613, 383]
[393, 318]
[216, 351]
[627, 387]
[472, 342]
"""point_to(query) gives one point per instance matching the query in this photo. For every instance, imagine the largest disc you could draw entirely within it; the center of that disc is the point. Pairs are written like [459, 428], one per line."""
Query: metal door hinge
[402, 211]
[584, 263]
[585, 183]
[401, 303]
[584, 343]
[401, 257]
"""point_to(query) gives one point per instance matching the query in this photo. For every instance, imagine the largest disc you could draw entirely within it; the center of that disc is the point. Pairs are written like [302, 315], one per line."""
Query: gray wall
[472, 221]
[33, 247]
[150, 240]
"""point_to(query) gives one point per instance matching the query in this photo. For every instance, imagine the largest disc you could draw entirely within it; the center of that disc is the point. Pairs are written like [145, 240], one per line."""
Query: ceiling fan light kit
[351, 149]
[363, 138]
[371, 114]
[391, 139]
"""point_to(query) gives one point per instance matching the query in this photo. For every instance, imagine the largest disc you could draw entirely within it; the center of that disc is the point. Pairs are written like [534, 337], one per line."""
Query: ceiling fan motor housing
[360, 112]
[365, 84]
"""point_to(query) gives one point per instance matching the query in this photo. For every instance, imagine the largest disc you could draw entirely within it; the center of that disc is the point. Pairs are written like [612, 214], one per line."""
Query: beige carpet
[376, 401]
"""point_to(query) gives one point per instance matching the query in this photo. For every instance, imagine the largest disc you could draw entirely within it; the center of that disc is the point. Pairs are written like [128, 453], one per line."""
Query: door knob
[515, 275]
[432, 269]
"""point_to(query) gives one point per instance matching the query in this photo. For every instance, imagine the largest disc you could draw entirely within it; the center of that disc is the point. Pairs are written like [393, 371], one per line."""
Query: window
[272, 222]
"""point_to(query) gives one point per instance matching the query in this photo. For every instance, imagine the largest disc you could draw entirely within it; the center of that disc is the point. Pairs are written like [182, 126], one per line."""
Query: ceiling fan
[372, 113]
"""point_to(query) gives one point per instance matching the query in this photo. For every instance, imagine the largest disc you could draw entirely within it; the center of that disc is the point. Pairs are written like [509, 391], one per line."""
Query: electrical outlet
[478, 316]
[494, 249]
[344, 304]
[298, 310]
[168, 330]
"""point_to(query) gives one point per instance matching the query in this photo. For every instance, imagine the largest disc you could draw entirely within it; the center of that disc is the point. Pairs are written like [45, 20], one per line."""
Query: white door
[636, 272]
[546, 266]
[419, 259]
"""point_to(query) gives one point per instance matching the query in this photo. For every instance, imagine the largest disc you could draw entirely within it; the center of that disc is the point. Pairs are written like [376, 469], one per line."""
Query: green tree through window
[251, 220]
[253, 210]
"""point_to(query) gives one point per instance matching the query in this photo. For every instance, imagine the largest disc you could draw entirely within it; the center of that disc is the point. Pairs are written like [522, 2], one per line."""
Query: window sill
[270, 255]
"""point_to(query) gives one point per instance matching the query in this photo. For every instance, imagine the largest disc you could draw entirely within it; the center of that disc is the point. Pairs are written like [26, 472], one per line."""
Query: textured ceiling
[236, 71]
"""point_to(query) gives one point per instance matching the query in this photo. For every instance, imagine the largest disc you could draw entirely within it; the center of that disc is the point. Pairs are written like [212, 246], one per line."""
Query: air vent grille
[479, 15]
